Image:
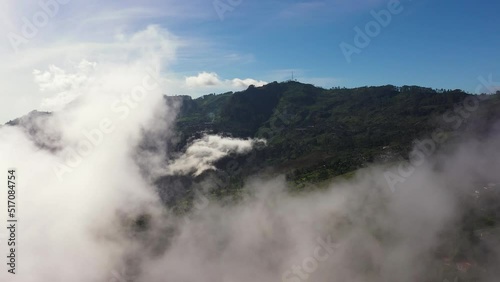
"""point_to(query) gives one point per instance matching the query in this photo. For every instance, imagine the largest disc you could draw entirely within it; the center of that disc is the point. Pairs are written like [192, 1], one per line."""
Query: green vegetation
[315, 134]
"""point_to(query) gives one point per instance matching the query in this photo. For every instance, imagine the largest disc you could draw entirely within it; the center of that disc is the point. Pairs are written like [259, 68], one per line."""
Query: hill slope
[314, 134]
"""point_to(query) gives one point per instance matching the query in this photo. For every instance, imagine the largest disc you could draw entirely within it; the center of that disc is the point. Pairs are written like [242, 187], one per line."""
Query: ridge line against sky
[218, 46]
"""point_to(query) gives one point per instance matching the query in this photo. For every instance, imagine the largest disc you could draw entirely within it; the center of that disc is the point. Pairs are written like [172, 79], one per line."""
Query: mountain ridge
[314, 133]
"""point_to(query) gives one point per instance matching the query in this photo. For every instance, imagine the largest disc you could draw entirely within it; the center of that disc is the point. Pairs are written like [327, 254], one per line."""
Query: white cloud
[57, 79]
[212, 80]
[203, 79]
[203, 153]
[102, 126]
[52, 75]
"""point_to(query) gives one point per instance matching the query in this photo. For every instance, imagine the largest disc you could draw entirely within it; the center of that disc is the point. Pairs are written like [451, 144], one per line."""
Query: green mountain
[315, 134]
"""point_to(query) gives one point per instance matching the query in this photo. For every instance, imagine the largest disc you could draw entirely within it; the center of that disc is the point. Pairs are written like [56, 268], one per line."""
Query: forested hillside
[315, 134]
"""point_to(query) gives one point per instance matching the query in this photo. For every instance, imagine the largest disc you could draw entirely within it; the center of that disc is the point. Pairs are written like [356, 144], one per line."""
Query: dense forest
[314, 134]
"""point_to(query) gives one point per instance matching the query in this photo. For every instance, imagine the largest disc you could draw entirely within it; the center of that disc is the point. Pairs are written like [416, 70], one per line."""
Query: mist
[89, 209]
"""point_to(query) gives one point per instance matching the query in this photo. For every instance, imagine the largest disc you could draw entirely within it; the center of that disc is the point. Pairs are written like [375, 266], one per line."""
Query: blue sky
[440, 44]
[431, 43]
